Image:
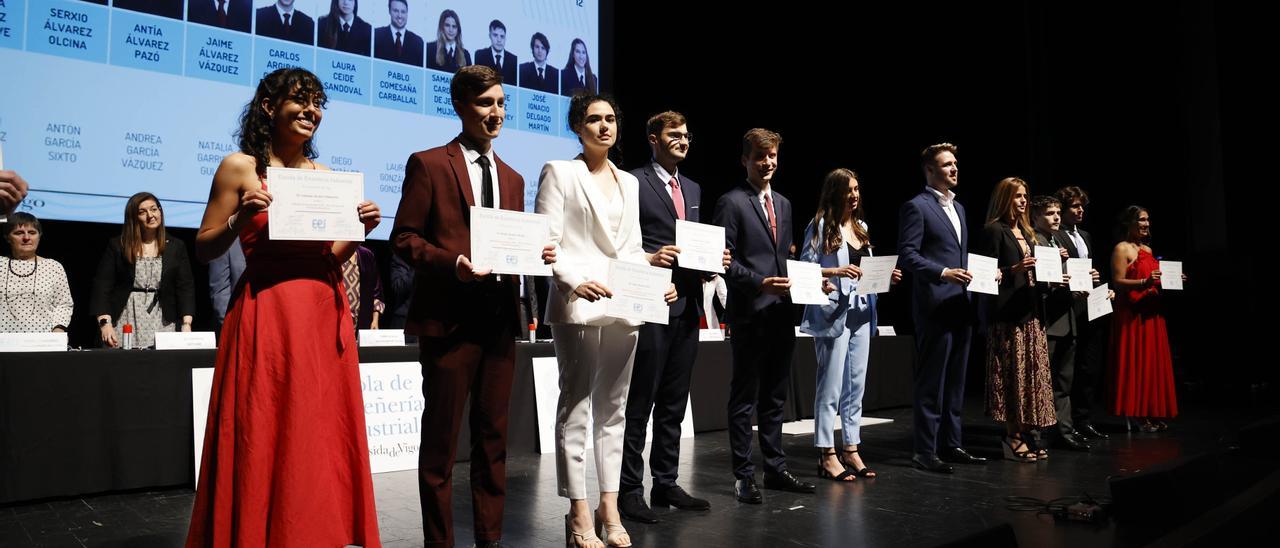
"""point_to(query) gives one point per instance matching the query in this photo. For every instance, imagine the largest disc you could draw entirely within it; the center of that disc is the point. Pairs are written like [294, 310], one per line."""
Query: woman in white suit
[837, 239]
[595, 216]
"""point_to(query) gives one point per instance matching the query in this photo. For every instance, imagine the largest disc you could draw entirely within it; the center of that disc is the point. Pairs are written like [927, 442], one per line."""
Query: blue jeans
[841, 378]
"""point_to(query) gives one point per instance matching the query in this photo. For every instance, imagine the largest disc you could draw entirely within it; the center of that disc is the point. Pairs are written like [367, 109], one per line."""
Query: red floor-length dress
[1141, 362]
[286, 461]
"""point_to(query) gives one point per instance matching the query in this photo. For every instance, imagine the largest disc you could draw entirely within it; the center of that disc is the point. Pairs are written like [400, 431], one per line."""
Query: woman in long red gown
[286, 461]
[1142, 383]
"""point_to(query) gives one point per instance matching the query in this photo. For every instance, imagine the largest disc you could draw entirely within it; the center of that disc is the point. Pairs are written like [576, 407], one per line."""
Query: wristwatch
[103, 322]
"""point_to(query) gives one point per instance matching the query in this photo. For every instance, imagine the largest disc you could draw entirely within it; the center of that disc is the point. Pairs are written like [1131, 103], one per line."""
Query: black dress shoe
[1071, 441]
[957, 455]
[931, 463]
[784, 481]
[674, 496]
[746, 491]
[1090, 432]
[632, 507]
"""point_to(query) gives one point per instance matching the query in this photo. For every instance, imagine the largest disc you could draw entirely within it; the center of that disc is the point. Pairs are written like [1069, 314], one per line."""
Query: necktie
[581, 81]
[222, 13]
[399, 44]
[346, 27]
[540, 76]
[497, 61]
[773, 219]
[286, 20]
[486, 186]
[677, 197]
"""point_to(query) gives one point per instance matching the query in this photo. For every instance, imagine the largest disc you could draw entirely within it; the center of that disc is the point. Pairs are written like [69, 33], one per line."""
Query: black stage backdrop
[1154, 103]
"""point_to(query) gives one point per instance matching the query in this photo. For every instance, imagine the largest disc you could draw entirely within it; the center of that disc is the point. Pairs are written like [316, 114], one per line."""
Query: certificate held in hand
[1048, 264]
[806, 283]
[509, 242]
[701, 246]
[638, 292]
[314, 205]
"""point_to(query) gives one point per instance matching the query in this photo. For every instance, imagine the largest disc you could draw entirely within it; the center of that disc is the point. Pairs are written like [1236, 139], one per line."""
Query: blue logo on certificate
[637, 307]
[513, 260]
[317, 225]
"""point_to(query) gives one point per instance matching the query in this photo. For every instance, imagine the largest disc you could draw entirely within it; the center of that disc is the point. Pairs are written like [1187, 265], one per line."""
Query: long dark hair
[131, 231]
[1000, 209]
[333, 24]
[255, 124]
[578, 115]
[831, 205]
[569, 66]
[1127, 220]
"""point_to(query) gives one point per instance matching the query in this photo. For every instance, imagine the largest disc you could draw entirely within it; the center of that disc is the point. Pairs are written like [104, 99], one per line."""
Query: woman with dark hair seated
[36, 296]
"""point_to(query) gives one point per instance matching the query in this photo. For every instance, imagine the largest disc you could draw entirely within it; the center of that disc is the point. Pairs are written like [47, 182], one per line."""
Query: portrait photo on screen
[341, 28]
[496, 54]
[538, 74]
[164, 8]
[284, 20]
[227, 14]
[448, 51]
[395, 33]
[576, 74]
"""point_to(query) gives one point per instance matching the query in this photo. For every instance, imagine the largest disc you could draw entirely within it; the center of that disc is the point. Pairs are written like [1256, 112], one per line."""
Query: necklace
[35, 266]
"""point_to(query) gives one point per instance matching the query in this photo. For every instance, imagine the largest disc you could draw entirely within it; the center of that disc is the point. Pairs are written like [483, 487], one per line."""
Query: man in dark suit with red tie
[280, 20]
[466, 319]
[227, 14]
[664, 353]
[396, 43]
[757, 228]
[497, 55]
[538, 74]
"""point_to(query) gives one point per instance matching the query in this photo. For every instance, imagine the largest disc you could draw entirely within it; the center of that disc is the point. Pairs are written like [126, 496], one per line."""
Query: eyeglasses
[674, 137]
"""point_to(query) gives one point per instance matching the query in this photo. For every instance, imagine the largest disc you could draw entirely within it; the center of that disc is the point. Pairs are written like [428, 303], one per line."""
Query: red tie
[677, 197]
[773, 219]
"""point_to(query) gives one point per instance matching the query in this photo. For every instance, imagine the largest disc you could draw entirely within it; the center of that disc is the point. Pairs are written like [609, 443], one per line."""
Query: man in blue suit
[757, 229]
[933, 243]
[665, 353]
[224, 273]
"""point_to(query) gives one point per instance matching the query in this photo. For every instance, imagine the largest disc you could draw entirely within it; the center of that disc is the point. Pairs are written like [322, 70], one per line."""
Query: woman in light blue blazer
[837, 239]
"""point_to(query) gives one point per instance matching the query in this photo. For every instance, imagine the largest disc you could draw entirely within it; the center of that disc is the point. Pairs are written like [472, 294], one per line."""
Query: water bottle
[126, 336]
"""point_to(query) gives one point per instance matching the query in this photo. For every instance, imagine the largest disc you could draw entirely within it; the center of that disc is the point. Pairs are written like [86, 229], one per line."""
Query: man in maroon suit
[466, 319]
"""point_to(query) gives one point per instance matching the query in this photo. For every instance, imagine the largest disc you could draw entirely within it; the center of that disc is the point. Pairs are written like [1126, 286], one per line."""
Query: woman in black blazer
[1019, 386]
[144, 278]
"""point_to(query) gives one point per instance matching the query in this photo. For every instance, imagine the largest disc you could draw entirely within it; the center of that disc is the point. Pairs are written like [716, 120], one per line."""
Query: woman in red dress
[286, 461]
[1141, 364]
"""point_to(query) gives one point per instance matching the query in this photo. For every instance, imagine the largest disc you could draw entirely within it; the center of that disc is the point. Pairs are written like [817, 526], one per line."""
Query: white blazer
[580, 230]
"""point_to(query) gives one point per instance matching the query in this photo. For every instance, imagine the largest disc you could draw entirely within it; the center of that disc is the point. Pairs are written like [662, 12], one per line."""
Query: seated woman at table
[144, 278]
[36, 296]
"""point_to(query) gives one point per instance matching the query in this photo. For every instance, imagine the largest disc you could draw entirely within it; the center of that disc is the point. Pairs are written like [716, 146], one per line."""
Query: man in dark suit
[280, 20]
[466, 319]
[538, 74]
[497, 55]
[394, 42]
[665, 353]
[1058, 302]
[933, 243]
[757, 230]
[1087, 376]
[224, 273]
[227, 14]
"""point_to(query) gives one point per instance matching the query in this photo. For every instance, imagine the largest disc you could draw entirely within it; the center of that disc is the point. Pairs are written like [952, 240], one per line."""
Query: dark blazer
[756, 255]
[384, 47]
[204, 12]
[1056, 300]
[356, 41]
[224, 273]
[302, 29]
[1081, 306]
[114, 281]
[658, 227]
[433, 227]
[509, 63]
[569, 82]
[529, 78]
[164, 8]
[926, 245]
[1018, 298]
[450, 63]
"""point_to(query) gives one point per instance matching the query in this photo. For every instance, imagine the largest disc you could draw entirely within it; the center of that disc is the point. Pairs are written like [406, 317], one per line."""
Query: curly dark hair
[255, 124]
[578, 115]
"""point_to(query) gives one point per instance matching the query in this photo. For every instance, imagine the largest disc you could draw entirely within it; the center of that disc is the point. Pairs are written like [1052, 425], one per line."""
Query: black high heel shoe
[1010, 444]
[845, 475]
[864, 472]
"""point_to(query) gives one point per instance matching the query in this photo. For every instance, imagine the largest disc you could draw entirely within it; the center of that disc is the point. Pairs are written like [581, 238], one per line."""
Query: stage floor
[903, 507]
